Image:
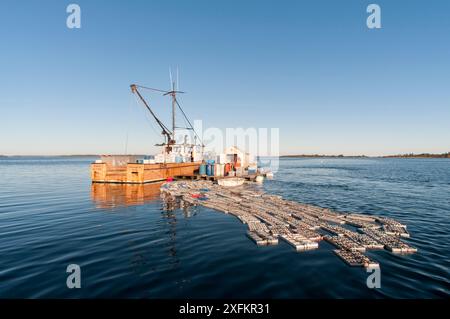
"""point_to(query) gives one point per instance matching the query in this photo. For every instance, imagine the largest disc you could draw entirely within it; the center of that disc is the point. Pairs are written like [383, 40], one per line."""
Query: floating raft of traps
[271, 218]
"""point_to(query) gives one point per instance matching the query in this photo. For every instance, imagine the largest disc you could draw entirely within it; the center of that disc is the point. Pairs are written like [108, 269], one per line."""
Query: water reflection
[172, 203]
[110, 196]
[107, 195]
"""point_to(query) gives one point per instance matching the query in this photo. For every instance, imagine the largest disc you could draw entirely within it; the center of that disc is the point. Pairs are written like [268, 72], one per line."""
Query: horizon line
[282, 155]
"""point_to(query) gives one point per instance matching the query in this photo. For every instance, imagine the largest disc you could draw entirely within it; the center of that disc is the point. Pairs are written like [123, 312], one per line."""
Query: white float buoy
[269, 175]
[259, 179]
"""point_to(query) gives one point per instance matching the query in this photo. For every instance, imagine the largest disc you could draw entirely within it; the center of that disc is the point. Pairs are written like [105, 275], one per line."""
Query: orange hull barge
[136, 173]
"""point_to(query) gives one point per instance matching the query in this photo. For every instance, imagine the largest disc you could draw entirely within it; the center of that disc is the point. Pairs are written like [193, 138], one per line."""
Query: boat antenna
[178, 80]
[173, 93]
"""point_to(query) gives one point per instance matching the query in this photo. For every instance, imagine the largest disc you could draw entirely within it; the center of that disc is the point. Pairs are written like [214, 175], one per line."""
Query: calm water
[128, 246]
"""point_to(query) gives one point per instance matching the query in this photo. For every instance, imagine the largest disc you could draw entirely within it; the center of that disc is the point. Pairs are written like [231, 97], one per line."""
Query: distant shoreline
[422, 155]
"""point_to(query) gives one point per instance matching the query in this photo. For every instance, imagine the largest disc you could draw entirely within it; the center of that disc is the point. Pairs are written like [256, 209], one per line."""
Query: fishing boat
[175, 159]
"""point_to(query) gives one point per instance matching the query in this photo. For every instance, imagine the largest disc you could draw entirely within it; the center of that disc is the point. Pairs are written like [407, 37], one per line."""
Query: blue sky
[311, 68]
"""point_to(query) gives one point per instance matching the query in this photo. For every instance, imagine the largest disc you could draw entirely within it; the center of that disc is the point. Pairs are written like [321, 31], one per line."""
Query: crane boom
[165, 131]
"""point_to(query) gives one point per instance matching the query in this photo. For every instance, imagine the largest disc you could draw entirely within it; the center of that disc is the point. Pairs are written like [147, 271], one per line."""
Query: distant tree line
[410, 155]
[423, 155]
[319, 155]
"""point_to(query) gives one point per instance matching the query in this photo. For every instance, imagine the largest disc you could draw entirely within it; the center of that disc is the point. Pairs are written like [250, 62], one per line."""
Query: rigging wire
[151, 89]
[187, 119]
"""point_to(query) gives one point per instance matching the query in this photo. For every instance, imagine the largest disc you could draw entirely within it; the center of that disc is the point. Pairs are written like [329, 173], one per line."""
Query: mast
[173, 93]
